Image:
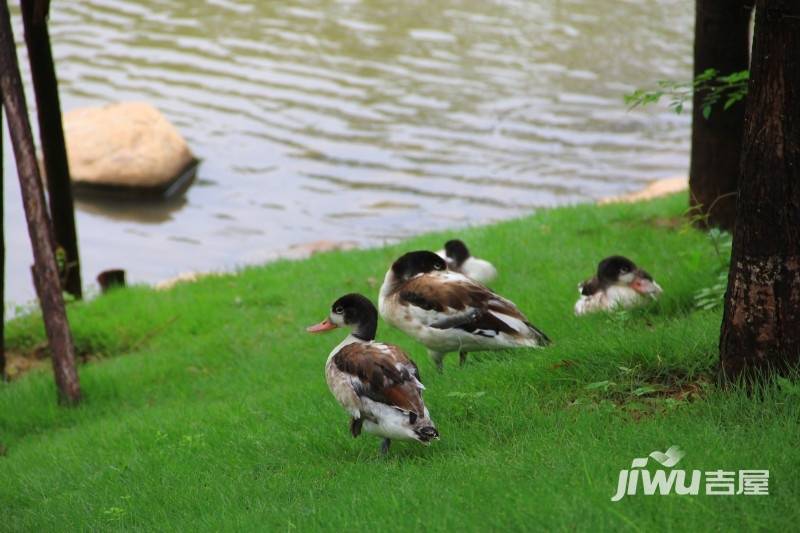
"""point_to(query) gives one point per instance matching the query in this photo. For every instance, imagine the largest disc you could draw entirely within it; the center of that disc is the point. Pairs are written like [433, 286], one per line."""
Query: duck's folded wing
[477, 322]
[445, 292]
[382, 373]
[589, 287]
[452, 301]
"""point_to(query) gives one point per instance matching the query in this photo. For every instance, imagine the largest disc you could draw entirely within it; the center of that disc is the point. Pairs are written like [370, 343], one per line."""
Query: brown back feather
[431, 292]
[377, 370]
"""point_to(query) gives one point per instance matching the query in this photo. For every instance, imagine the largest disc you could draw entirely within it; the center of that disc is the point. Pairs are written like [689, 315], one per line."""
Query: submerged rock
[126, 149]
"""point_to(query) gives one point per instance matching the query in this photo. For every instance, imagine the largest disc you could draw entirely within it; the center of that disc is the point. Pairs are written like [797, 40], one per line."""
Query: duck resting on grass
[458, 259]
[378, 384]
[618, 284]
[447, 311]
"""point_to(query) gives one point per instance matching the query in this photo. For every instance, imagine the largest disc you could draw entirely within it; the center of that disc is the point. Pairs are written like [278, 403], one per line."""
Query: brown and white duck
[447, 311]
[376, 383]
[618, 284]
[459, 259]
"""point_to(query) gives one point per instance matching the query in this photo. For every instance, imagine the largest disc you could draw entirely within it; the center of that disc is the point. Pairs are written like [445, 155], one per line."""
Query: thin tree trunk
[761, 323]
[3, 374]
[46, 271]
[51, 134]
[721, 42]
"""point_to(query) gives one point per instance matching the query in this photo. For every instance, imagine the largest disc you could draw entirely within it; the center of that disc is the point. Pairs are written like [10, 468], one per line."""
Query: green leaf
[706, 111]
[735, 77]
[605, 385]
[646, 389]
[732, 100]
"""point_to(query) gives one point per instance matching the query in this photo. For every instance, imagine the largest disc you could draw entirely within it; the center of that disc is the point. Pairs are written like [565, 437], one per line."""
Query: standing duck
[459, 259]
[376, 383]
[447, 311]
[619, 283]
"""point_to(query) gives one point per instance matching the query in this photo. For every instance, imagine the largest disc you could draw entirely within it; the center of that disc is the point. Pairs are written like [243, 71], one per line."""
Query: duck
[458, 259]
[376, 383]
[618, 284]
[447, 311]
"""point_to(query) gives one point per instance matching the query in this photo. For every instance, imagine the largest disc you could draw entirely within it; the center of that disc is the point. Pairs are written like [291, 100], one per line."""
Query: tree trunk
[45, 269]
[51, 134]
[721, 42]
[761, 323]
[3, 375]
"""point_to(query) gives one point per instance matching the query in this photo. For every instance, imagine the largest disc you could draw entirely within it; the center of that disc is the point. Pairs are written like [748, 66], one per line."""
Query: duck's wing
[589, 287]
[592, 297]
[447, 300]
[382, 373]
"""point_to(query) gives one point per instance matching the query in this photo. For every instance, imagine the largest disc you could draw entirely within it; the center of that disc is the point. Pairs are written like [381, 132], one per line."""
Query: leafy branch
[715, 88]
[712, 297]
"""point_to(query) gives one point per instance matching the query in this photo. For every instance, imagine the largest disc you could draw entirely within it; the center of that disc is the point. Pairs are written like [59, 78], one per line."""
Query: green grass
[213, 413]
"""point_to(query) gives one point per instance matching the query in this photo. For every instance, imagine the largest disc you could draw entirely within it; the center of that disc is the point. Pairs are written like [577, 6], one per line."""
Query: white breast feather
[614, 297]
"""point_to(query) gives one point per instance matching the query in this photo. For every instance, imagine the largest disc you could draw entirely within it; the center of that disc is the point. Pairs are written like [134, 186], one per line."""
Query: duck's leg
[385, 447]
[462, 357]
[438, 358]
[355, 426]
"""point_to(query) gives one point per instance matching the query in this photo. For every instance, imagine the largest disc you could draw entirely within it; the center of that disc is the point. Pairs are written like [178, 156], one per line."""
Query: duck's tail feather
[538, 336]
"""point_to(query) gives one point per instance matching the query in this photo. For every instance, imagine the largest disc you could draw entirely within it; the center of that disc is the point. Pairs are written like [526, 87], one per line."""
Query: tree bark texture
[761, 323]
[721, 42]
[46, 276]
[3, 375]
[51, 134]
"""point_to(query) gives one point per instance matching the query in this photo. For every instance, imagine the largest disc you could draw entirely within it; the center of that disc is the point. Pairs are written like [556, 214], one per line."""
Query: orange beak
[644, 286]
[325, 325]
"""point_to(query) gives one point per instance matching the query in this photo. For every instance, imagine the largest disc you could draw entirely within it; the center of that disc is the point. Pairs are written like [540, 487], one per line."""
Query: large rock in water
[126, 149]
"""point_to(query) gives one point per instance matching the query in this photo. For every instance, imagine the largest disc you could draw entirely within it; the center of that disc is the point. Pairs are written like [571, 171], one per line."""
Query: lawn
[206, 407]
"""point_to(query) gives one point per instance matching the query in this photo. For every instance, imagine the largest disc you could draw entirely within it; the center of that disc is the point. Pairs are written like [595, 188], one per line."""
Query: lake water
[362, 121]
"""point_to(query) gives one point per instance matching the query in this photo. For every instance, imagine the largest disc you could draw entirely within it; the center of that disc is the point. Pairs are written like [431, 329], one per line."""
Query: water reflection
[142, 212]
[365, 120]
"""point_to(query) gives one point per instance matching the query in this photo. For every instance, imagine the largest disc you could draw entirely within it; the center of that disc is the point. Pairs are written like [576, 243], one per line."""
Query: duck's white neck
[389, 282]
[350, 339]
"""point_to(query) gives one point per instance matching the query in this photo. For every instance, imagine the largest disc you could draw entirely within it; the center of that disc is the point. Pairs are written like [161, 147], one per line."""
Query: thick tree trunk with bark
[761, 323]
[51, 133]
[721, 42]
[46, 276]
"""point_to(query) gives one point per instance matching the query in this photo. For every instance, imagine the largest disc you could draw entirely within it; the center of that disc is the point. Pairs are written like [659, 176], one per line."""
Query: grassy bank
[217, 416]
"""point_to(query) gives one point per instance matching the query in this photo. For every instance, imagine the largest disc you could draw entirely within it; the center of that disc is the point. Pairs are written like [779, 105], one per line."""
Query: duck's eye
[438, 266]
[339, 310]
[623, 270]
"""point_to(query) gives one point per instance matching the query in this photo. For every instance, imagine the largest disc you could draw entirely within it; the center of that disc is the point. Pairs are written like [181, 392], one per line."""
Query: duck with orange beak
[376, 383]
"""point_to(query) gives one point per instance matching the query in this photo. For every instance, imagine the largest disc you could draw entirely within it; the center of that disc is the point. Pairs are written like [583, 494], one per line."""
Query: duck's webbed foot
[385, 447]
[462, 357]
[355, 426]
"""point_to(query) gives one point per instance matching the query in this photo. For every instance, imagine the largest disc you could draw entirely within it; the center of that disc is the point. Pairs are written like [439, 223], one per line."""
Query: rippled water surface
[363, 121]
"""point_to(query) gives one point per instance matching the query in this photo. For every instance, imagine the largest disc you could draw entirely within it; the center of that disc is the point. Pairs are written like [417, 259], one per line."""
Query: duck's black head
[616, 269]
[352, 311]
[420, 262]
[456, 251]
